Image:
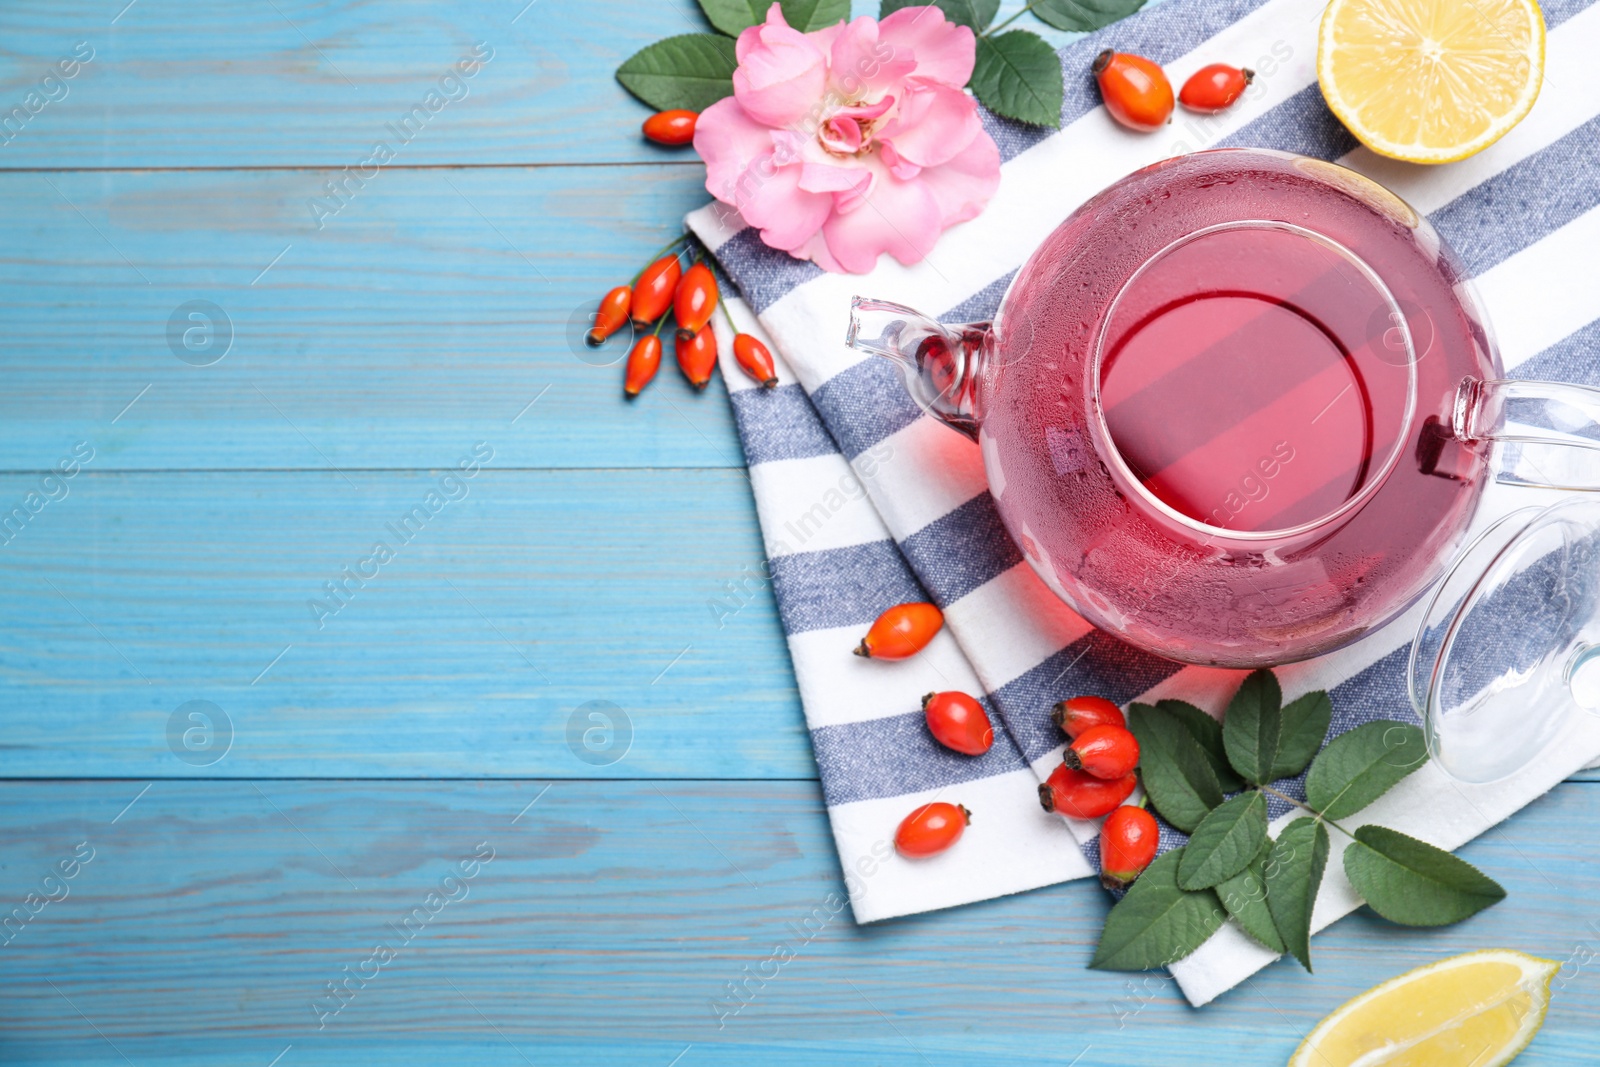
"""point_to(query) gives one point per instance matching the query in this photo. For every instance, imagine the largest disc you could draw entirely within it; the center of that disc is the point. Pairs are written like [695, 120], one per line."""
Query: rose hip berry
[1135, 90]
[755, 360]
[1082, 795]
[697, 356]
[1128, 842]
[931, 829]
[1212, 89]
[643, 361]
[652, 293]
[695, 300]
[903, 630]
[958, 722]
[614, 308]
[675, 127]
[1104, 751]
[1072, 717]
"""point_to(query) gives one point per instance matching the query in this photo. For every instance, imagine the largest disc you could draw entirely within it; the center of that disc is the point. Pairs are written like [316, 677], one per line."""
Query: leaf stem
[682, 237]
[723, 306]
[1009, 21]
[1307, 807]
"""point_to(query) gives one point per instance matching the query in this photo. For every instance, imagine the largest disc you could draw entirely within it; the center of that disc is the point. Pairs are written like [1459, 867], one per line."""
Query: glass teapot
[1237, 409]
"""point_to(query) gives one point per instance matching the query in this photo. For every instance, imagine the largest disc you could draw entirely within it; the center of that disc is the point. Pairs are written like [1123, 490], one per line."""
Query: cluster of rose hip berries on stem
[1138, 95]
[1096, 775]
[693, 297]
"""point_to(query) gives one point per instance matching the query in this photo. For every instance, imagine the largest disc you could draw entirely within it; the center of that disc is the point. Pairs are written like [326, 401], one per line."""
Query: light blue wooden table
[355, 759]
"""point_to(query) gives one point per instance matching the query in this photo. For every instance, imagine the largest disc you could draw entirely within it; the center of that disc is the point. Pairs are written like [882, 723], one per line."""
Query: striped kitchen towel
[865, 501]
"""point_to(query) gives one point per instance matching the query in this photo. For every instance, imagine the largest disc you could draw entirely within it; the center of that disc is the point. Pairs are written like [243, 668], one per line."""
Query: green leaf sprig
[1233, 867]
[1015, 73]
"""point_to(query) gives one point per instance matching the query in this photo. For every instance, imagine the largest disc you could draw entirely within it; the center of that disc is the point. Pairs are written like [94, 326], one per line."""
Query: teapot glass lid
[1509, 647]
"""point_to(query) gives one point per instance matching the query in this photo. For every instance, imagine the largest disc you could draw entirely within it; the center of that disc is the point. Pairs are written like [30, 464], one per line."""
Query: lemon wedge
[1430, 81]
[1480, 1009]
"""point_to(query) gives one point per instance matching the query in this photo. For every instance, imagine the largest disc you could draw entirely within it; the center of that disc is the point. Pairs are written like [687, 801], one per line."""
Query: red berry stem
[658, 253]
[748, 351]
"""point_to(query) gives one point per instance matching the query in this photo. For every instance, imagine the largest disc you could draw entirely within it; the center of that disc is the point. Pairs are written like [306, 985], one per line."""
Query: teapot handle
[1522, 413]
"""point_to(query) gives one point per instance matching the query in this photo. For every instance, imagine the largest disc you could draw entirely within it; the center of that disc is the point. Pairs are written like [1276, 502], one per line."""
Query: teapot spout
[941, 364]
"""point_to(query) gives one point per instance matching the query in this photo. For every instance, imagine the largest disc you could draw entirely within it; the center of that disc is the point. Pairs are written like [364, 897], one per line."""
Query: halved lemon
[1430, 81]
[1479, 1009]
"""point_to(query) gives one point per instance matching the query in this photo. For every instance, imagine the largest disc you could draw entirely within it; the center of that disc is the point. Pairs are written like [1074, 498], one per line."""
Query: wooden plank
[296, 82]
[468, 653]
[611, 921]
[437, 303]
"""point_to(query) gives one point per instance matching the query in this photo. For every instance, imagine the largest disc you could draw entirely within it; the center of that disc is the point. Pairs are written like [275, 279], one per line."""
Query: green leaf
[1305, 727]
[1174, 768]
[1293, 874]
[1208, 732]
[692, 70]
[1413, 883]
[1250, 727]
[1361, 765]
[1225, 842]
[733, 17]
[1157, 923]
[1245, 898]
[1264, 741]
[808, 15]
[1083, 14]
[974, 13]
[1018, 75]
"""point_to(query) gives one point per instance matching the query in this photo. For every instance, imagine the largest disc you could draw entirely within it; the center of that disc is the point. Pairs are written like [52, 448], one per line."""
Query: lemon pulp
[1430, 81]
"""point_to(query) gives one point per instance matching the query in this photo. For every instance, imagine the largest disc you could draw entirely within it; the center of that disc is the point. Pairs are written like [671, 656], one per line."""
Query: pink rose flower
[853, 140]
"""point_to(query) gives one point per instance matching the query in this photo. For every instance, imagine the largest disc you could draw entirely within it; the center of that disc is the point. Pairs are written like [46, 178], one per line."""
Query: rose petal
[786, 214]
[851, 184]
[822, 178]
[825, 37]
[816, 250]
[944, 51]
[750, 36]
[901, 218]
[841, 135]
[867, 111]
[729, 141]
[781, 73]
[898, 167]
[790, 147]
[934, 123]
[964, 184]
[861, 67]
